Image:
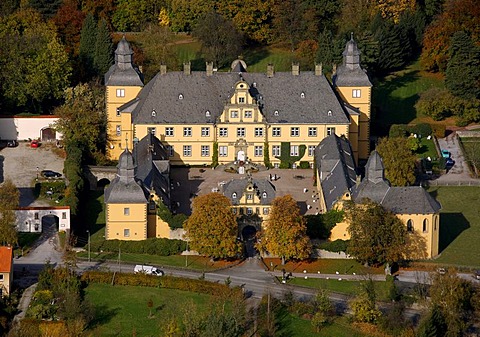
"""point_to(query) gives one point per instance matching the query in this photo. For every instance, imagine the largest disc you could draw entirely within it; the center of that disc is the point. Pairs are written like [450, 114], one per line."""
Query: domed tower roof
[351, 54]
[123, 54]
[126, 167]
[124, 72]
[374, 170]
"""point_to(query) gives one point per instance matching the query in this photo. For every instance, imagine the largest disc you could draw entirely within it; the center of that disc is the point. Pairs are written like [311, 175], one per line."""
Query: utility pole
[186, 256]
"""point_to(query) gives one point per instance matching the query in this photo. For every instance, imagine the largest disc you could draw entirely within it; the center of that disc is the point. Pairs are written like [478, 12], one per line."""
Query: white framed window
[187, 150]
[205, 150]
[295, 131]
[205, 132]
[223, 132]
[170, 150]
[234, 114]
[276, 150]
[126, 211]
[118, 112]
[240, 132]
[64, 215]
[187, 132]
[312, 132]
[249, 210]
[265, 210]
[276, 132]
[234, 210]
[311, 150]
[249, 196]
[264, 195]
[248, 114]
[258, 132]
[152, 130]
[120, 92]
[126, 232]
[119, 130]
[276, 165]
[223, 151]
[294, 150]
[169, 131]
[258, 150]
[356, 93]
[330, 131]
[241, 100]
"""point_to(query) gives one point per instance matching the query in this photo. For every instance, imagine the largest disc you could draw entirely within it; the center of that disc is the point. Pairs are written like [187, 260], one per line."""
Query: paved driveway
[22, 163]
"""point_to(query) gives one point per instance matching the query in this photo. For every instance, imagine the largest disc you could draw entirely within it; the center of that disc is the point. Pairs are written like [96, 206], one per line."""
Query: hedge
[403, 130]
[166, 282]
[152, 246]
[335, 246]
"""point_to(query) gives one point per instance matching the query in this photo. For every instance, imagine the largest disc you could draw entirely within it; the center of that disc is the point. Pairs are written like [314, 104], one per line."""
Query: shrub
[335, 246]
[422, 129]
[436, 103]
[304, 165]
[151, 246]
[438, 130]
[398, 130]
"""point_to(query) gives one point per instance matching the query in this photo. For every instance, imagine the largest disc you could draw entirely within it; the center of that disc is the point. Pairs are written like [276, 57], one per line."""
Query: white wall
[26, 222]
[23, 128]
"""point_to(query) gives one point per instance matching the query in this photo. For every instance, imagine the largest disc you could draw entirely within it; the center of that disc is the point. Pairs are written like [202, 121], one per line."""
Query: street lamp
[37, 173]
[186, 255]
[88, 232]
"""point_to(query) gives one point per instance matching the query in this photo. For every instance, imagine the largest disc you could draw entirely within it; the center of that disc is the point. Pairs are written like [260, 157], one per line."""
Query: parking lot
[21, 164]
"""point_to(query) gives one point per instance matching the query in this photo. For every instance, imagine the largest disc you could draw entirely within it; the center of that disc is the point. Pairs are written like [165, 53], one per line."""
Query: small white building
[30, 219]
[25, 128]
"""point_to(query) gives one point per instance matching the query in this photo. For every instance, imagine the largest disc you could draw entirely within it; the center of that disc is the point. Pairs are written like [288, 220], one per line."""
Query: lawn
[123, 311]
[295, 326]
[459, 225]
[427, 149]
[472, 149]
[394, 97]
[25, 242]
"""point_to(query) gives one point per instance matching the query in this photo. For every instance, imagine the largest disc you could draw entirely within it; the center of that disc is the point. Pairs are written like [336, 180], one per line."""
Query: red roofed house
[6, 270]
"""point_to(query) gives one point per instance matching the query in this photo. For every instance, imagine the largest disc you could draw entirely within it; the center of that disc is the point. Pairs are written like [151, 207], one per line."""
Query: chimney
[358, 180]
[140, 69]
[209, 68]
[186, 68]
[295, 69]
[318, 69]
[163, 69]
[334, 69]
[270, 70]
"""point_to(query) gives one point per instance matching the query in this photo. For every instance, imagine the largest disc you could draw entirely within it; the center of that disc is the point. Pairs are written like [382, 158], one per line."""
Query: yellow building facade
[208, 117]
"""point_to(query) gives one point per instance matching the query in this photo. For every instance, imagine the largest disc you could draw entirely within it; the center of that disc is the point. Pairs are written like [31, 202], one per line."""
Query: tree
[433, 325]
[285, 232]
[364, 304]
[377, 236]
[398, 159]
[324, 310]
[134, 15]
[453, 296]
[212, 227]
[103, 58]
[436, 103]
[34, 67]
[9, 201]
[82, 120]
[288, 21]
[88, 39]
[462, 76]
[47, 8]
[221, 42]
[69, 19]
[185, 14]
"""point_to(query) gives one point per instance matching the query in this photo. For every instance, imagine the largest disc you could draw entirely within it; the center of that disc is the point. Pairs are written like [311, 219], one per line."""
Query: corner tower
[123, 82]
[353, 85]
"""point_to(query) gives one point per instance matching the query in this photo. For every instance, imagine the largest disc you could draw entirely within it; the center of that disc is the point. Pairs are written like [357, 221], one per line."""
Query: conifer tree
[9, 201]
[103, 58]
[88, 38]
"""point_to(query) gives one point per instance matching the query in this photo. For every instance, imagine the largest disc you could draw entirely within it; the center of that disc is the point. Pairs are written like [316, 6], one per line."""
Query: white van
[149, 270]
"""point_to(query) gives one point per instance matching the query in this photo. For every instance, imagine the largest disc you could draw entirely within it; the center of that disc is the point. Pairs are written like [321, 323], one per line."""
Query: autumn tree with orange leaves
[212, 228]
[285, 233]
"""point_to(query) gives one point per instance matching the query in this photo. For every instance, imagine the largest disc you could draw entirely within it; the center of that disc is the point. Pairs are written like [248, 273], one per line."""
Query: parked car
[50, 174]
[476, 274]
[12, 143]
[446, 154]
[449, 162]
[149, 270]
[34, 144]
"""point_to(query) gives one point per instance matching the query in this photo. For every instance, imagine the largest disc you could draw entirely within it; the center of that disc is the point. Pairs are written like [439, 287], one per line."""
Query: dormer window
[329, 113]
[234, 195]
[254, 84]
[241, 100]
[302, 95]
[154, 113]
[207, 113]
[264, 195]
[180, 96]
[276, 113]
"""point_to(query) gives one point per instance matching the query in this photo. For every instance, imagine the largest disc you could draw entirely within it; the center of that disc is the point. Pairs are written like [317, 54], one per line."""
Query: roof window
[276, 113]
[234, 195]
[180, 96]
[329, 113]
[207, 113]
[154, 113]
[302, 95]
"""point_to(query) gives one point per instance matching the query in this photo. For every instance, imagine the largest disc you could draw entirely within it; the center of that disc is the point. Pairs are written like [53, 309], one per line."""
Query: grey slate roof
[350, 74]
[123, 72]
[124, 188]
[152, 166]
[282, 93]
[336, 168]
[400, 200]
[239, 187]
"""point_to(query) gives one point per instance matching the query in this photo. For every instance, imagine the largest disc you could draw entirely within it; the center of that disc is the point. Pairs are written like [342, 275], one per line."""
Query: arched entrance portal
[50, 223]
[249, 233]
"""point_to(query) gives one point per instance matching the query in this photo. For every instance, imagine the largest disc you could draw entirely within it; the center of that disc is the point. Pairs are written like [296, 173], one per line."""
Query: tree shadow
[256, 55]
[390, 110]
[103, 315]
[94, 207]
[451, 225]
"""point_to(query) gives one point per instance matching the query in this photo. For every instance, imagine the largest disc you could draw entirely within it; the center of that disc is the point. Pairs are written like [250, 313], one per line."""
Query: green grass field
[459, 225]
[295, 326]
[123, 311]
[394, 96]
[325, 266]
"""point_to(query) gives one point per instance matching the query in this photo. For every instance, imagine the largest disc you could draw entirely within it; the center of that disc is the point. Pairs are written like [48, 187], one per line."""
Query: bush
[436, 103]
[304, 165]
[335, 246]
[438, 130]
[422, 129]
[398, 130]
[151, 246]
